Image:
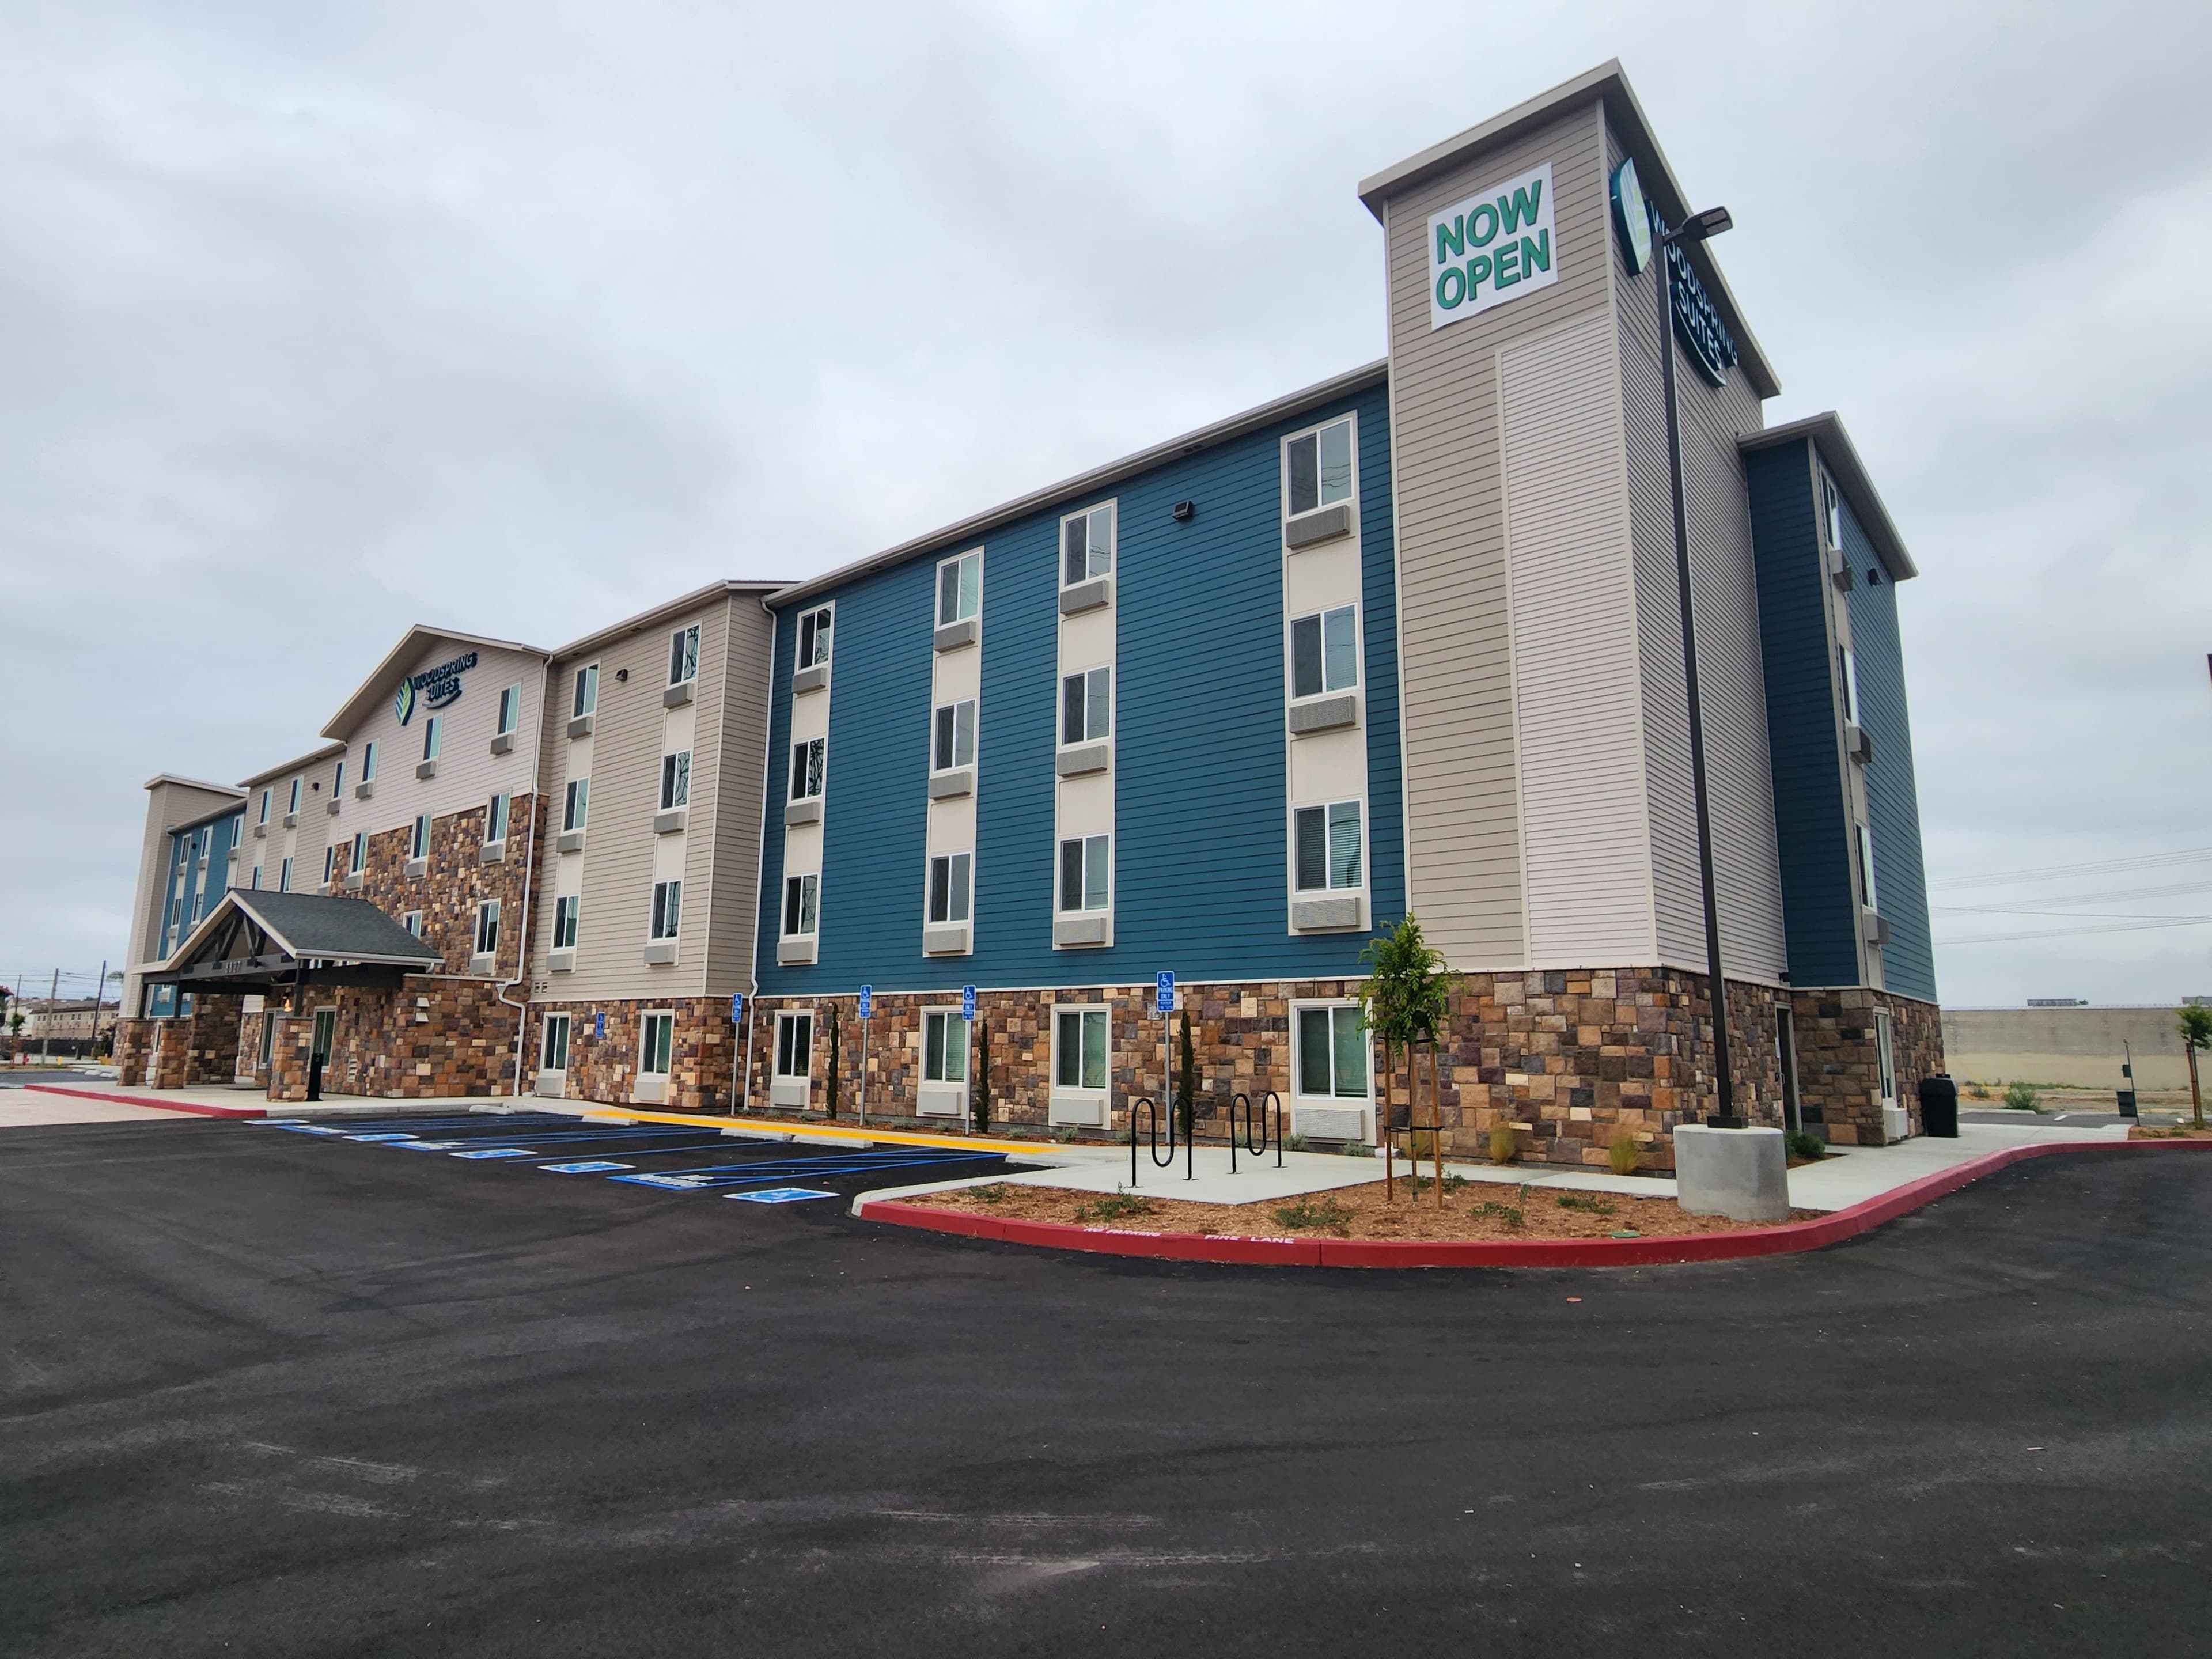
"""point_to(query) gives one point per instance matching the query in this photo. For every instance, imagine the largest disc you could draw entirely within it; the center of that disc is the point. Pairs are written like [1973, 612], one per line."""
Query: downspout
[769, 774]
[529, 872]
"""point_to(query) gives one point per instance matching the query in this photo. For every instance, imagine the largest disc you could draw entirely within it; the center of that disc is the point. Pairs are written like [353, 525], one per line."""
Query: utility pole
[99, 1002]
[46, 1029]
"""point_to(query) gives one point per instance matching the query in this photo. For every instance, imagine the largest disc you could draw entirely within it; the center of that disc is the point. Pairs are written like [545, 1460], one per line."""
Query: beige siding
[1747, 865]
[1574, 651]
[1462, 827]
[741, 770]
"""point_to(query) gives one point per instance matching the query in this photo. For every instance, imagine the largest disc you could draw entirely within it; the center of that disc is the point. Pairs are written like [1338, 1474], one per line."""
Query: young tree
[836, 1044]
[981, 1094]
[1186, 1097]
[2195, 1033]
[1406, 1000]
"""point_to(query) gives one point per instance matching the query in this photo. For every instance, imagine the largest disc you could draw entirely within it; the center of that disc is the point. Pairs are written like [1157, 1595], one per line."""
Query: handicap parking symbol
[779, 1195]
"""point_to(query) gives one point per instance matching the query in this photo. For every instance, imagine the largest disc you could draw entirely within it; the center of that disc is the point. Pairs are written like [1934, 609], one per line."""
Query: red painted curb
[190, 1107]
[1786, 1239]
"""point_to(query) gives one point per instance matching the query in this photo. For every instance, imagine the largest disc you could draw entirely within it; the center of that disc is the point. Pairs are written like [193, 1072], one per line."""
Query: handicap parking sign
[1163, 994]
[967, 1002]
[865, 999]
[737, 1009]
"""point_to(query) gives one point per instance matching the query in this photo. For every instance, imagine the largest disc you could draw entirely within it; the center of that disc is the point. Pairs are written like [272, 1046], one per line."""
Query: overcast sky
[317, 321]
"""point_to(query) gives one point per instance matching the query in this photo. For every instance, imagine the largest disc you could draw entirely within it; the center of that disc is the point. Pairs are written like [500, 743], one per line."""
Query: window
[420, 847]
[1086, 545]
[1083, 869]
[794, 1044]
[295, 806]
[412, 921]
[683, 655]
[566, 909]
[959, 588]
[263, 819]
[806, 762]
[813, 637]
[257, 876]
[487, 926]
[1832, 510]
[577, 803]
[675, 779]
[1319, 468]
[510, 710]
[1080, 1048]
[1884, 1056]
[1331, 1055]
[368, 762]
[944, 1046]
[553, 1051]
[953, 740]
[199, 906]
[338, 781]
[1325, 652]
[586, 698]
[330, 863]
[284, 877]
[496, 817]
[1086, 706]
[1850, 686]
[658, 1039]
[357, 860]
[1865, 840]
[434, 733]
[1328, 846]
[668, 909]
[948, 886]
[800, 894]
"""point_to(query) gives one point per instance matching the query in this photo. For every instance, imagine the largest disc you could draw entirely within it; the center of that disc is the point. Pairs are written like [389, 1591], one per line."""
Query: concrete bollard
[1741, 1174]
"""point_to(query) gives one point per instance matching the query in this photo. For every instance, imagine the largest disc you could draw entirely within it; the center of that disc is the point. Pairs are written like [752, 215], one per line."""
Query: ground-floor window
[794, 1044]
[1332, 1052]
[1080, 1048]
[553, 1054]
[1885, 1058]
[652, 1051]
[944, 1046]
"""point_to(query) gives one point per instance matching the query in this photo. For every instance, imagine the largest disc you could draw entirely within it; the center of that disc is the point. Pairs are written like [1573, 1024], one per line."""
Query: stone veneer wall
[1839, 1070]
[1569, 1058]
[134, 1044]
[177, 1052]
[703, 1052]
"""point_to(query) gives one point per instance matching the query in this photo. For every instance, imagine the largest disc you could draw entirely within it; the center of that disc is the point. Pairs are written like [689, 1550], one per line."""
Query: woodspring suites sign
[437, 687]
[1494, 247]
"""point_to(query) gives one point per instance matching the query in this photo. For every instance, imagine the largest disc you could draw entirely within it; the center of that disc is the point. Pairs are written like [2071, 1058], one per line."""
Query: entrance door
[326, 1031]
[268, 1036]
[789, 1084]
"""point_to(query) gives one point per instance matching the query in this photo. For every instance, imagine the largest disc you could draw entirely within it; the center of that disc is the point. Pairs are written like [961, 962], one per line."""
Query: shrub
[996, 1193]
[1357, 1149]
[1294, 1143]
[1978, 1091]
[2020, 1097]
[1804, 1144]
[1453, 1183]
[1509, 1215]
[1113, 1206]
[1505, 1144]
[1590, 1201]
[1623, 1154]
[1327, 1216]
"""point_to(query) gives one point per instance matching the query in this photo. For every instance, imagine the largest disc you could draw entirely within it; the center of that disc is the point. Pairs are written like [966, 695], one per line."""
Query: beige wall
[2079, 1046]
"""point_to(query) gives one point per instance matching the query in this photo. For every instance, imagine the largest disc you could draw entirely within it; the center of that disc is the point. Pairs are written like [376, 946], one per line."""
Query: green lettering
[1451, 288]
[1522, 208]
[1536, 253]
[1507, 264]
[1478, 272]
[1475, 218]
[1452, 237]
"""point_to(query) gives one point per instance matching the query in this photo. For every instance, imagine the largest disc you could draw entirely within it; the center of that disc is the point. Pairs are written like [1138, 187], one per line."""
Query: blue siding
[213, 838]
[1812, 819]
[1200, 836]
[1908, 960]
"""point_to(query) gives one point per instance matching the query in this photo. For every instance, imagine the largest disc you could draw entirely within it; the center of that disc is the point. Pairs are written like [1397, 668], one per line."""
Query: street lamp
[1696, 228]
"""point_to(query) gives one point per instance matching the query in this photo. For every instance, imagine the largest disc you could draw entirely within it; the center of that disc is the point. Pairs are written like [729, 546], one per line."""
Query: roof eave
[357, 705]
[645, 619]
[161, 778]
[299, 763]
[1824, 431]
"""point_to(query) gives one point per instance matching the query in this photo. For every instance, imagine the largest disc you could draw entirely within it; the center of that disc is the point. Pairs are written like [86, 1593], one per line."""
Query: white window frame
[665, 919]
[284, 877]
[330, 864]
[963, 594]
[1851, 685]
[357, 857]
[510, 710]
[1863, 838]
[567, 915]
[1089, 679]
[338, 779]
[1832, 512]
[948, 1021]
[1338, 1012]
[256, 884]
[297, 783]
[412, 921]
[265, 795]
[948, 714]
[485, 938]
[1082, 1015]
[418, 843]
[960, 883]
[675, 780]
[576, 803]
[1321, 621]
[1092, 567]
[810, 768]
[816, 636]
[1884, 1056]
[656, 1057]
[497, 813]
[788, 1020]
[584, 692]
[547, 1045]
[433, 735]
[809, 906]
[1059, 875]
[683, 654]
[368, 762]
[1327, 807]
[1349, 419]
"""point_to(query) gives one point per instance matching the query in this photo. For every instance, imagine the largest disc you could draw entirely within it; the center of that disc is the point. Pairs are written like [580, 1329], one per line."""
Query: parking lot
[270, 1391]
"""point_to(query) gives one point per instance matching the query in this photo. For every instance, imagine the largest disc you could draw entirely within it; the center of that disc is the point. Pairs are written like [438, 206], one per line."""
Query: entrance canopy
[270, 942]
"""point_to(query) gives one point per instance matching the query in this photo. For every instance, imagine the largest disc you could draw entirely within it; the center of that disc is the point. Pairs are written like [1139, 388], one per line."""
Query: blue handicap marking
[1163, 994]
[682, 1183]
[779, 1196]
[498, 1152]
[967, 1002]
[305, 1129]
[589, 1166]
[426, 1146]
[381, 1136]
[736, 1008]
[867, 1001]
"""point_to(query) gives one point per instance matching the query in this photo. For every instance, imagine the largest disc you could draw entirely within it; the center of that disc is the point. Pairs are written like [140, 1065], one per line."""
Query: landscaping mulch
[2180, 1131]
[1471, 1210]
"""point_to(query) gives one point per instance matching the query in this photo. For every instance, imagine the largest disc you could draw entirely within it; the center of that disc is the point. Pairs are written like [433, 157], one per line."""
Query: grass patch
[1512, 1216]
[1588, 1201]
[1114, 1207]
[1305, 1215]
[1427, 1184]
[997, 1192]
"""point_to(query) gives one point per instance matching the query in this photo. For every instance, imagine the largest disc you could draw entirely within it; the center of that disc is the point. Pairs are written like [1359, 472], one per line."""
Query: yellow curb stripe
[890, 1137]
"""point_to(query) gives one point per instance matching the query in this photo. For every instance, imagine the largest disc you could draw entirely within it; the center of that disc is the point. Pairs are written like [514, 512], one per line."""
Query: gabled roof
[1608, 83]
[1825, 431]
[386, 673]
[254, 939]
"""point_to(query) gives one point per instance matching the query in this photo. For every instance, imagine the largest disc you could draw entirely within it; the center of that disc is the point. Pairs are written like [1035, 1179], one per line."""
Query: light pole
[1699, 226]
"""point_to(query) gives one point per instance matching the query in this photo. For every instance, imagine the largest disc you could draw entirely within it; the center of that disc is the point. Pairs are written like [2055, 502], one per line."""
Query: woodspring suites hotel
[1408, 639]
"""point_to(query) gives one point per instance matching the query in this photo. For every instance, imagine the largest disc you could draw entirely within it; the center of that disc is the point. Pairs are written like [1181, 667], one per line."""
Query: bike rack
[1254, 1118]
[1152, 1114]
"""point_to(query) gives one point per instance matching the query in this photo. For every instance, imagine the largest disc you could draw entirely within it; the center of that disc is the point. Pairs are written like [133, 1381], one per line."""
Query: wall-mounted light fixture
[622, 674]
[1181, 511]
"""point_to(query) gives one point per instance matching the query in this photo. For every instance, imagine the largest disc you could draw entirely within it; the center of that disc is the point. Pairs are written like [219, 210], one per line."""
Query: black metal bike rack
[1151, 1112]
[1253, 1119]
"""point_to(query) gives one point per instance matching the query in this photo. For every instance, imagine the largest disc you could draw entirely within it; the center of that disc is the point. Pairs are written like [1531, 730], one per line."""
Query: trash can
[2127, 1102]
[1939, 1106]
[314, 1076]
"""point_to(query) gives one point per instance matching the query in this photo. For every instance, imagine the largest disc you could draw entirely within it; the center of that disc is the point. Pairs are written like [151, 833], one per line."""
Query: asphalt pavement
[268, 1392]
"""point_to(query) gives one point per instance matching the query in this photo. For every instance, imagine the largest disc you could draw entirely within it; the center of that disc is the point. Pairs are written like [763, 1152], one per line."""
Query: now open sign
[1492, 247]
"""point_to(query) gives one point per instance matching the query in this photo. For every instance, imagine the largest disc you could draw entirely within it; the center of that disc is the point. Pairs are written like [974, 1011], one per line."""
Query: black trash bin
[1939, 1106]
[314, 1076]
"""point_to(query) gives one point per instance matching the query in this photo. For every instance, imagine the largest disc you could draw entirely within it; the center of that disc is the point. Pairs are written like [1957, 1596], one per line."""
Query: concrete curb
[190, 1108]
[1783, 1240]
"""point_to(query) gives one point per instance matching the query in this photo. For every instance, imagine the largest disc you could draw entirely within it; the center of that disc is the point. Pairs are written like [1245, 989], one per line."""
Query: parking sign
[1163, 994]
[737, 1009]
[967, 1002]
[865, 1000]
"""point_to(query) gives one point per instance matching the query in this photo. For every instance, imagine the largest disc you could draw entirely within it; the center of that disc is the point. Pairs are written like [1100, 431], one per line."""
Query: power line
[2060, 871]
[2068, 933]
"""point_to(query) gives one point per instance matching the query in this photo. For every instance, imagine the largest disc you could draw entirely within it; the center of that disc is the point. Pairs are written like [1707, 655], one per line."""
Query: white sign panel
[1494, 247]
